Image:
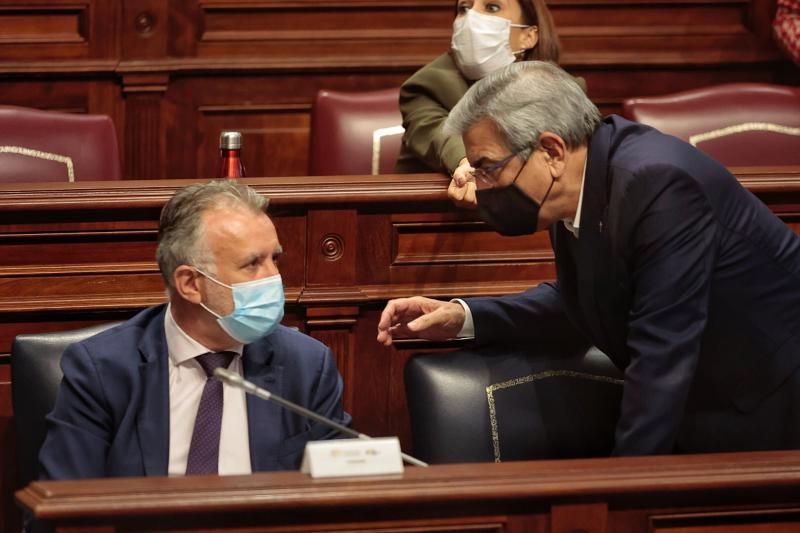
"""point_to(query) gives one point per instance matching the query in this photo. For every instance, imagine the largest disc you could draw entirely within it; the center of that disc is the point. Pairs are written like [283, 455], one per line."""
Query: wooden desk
[731, 493]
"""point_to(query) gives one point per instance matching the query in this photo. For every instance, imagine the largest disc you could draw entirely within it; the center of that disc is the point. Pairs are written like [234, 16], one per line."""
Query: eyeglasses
[485, 176]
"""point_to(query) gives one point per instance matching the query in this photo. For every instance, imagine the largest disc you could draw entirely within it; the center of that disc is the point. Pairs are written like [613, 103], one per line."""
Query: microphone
[235, 380]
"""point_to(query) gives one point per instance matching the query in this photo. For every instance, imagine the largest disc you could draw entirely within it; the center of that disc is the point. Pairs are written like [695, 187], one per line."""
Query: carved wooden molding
[311, 296]
[44, 24]
[77, 269]
[720, 520]
[59, 67]
[283, 192]
[380, 293]
[298, 191]
[145, 82]
[620, 479]
[126, 212]
[360, 295]
[119, 300]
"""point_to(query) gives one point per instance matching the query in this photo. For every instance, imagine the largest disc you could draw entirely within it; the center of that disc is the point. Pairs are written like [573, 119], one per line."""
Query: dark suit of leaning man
[664, 261]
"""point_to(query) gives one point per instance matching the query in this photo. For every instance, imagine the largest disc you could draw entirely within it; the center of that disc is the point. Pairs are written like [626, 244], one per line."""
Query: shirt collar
[574, 225]
[181, 346]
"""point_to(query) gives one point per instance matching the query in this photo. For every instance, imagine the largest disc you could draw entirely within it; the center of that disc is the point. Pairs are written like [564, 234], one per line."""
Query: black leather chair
[35, 377]
[497, 405]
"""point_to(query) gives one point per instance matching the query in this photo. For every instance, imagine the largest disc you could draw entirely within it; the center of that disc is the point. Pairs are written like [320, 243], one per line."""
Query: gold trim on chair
[490, 390]
[38, 154]
[694, 140]
[377, 135]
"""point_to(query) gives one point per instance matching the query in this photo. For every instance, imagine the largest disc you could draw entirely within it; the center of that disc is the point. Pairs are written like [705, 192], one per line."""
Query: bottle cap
[230, 140]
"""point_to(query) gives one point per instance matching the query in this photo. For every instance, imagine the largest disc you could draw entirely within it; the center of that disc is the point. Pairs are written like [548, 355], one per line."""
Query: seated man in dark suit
[663, 260]
[137, 400]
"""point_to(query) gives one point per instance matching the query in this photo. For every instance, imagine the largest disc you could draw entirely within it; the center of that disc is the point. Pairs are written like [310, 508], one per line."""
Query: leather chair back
[35, 377]
[489, 404]
[738, 124]
[40, 145]
[355, 132]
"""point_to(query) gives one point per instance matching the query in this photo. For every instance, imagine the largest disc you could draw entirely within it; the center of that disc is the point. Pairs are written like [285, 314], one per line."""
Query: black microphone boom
[235, 380]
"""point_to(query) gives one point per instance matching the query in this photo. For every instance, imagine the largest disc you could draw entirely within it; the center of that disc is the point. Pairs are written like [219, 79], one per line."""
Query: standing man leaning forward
[685, 279]
[133, 400]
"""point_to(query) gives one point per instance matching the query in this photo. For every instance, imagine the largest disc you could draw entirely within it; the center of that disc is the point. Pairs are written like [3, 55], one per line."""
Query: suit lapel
[595, 271]
[153, 418]
[263, 417]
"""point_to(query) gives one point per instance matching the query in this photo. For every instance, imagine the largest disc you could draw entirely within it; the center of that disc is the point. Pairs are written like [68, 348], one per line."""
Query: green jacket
[426, 99]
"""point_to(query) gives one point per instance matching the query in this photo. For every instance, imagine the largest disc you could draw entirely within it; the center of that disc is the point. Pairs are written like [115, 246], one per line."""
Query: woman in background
[487, 35]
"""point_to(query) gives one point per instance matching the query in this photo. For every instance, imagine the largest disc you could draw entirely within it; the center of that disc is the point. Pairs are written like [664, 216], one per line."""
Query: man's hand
[420, 317]
[462, 187]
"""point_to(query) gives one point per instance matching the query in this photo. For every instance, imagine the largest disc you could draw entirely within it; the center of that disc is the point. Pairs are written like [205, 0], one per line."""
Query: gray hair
[181, 236]
[524, 100]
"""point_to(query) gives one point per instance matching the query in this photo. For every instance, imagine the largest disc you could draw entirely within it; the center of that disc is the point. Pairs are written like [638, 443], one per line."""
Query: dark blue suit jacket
[111, 416]
[684, 278]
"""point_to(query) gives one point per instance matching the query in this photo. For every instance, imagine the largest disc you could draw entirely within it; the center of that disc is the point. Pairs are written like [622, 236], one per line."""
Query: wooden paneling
[145, 132]
[51, 26]
[273, 28]
[146, 29]
[275, 135]
[58, 30]
[703, 31]
[174, 74]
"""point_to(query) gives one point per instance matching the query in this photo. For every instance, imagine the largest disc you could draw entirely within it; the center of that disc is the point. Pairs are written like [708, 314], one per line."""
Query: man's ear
[187, 283]
[555, 150]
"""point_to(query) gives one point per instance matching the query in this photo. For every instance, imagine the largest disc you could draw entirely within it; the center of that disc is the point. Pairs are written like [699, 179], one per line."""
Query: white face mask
[481, 43]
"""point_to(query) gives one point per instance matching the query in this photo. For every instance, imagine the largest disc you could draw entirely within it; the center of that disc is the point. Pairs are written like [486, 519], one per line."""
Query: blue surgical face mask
[257, 308]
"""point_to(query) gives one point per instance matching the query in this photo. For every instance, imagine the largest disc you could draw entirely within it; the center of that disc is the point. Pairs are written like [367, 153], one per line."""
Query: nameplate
[352, 457]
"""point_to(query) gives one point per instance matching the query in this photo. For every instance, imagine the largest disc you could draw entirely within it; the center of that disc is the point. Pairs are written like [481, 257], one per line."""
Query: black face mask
[508, 210]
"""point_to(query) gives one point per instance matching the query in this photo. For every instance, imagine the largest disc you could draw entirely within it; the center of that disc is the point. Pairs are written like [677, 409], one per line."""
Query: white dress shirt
[574, 226]
[186, 381]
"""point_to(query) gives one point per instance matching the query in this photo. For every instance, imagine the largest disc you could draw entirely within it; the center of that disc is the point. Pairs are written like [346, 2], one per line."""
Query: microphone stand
[235, 380]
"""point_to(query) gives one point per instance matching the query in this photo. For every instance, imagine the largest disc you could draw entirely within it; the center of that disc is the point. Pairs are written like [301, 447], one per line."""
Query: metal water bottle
[230, 155]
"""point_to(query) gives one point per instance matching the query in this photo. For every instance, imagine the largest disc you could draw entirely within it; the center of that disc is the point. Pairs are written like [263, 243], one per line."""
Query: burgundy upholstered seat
[738, 124]
[355, 133]
[40, 145]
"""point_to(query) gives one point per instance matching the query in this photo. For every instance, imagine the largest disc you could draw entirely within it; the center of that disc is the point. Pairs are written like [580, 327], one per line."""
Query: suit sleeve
[531, 317]
[423, 117]
[80, 426]
[672, 254]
